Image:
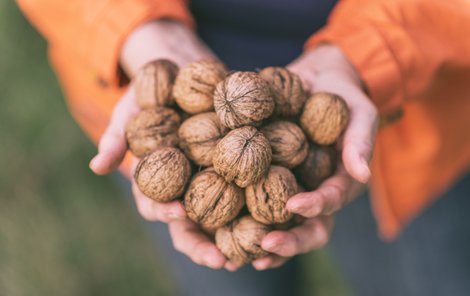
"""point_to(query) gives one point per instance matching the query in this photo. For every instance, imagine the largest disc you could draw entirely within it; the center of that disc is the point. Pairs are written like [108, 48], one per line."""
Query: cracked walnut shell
[151, 129]
[288, 143]
[243, 98]
[154, 84]
[195, 84]
[266, 200]
[288, 93]
[212, 202]
[240, 241]
[324, 118]
[162, 175]
[242, 156]
[199, 135]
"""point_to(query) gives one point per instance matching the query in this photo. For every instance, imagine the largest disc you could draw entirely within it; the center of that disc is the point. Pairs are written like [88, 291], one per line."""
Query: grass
[64, 231]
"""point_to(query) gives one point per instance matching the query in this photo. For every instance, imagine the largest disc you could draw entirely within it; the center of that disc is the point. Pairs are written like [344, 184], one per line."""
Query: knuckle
[322, 237]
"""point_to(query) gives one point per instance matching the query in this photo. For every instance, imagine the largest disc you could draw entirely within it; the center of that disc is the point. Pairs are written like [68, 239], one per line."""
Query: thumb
[112, 146]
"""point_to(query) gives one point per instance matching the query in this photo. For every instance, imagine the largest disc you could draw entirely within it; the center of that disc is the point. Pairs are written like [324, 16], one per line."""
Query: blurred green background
[63, 230]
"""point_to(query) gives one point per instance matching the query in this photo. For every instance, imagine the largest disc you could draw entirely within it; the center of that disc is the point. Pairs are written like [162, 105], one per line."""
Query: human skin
[324, 68]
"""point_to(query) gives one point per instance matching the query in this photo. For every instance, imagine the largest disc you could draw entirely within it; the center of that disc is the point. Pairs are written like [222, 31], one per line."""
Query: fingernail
[175, 215]
[272, 246]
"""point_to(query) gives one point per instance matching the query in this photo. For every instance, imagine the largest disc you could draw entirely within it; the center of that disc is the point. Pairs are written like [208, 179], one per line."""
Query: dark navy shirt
[253, 34]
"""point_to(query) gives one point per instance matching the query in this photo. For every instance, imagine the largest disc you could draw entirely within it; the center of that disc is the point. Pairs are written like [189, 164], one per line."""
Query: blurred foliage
[64, 231]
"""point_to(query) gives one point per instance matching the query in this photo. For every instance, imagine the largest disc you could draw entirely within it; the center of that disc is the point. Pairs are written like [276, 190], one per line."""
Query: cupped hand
[154, 40]
[327, 69]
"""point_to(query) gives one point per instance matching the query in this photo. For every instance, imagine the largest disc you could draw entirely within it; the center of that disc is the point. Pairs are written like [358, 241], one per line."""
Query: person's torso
[251, 34]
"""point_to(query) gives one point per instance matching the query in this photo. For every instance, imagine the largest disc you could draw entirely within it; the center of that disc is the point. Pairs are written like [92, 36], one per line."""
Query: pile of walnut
[242, 135]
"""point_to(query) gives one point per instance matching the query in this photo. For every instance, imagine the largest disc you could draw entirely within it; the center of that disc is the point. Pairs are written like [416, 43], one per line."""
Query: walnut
[162, 175]
[266, 200]
[212, 202]
[319, 165]
[240, 241]
[324, 118]
[288, 143]
[199, 135]
[151, 129]
[242, 156]
[243, 98]
[288, 93]
[195, 84]
[154, 84]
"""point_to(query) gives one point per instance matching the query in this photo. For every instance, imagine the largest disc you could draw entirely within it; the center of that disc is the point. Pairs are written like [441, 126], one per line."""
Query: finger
[153, 211]
[230, 266]
[331, 196]
[190, 240]
[113, 146]
[313, 234]
[359, 137]
[268, 262]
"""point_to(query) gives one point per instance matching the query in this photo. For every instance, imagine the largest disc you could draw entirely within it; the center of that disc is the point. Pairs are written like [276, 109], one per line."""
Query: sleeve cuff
[117, 22]
[371, 55]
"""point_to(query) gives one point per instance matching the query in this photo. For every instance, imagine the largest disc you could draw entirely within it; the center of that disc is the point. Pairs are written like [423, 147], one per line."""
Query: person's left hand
[327, 69]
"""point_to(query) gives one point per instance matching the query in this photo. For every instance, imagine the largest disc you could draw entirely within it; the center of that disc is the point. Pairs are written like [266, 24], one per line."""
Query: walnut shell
[288, 93]
[243, 98]
[288, 143]
[320, 164]
[154, 84]
[212, 202]
[266, 200]
[195, 84]
[151, 129]
[240, 241]
[162, 175]
[199, 135]
[324, 118]
[242, 156]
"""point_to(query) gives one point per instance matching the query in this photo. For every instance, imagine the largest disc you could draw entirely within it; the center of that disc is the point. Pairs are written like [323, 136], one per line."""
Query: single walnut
[266, 200]
[199, 135]
[195, 84]
[240, 241]
[288, 143]
[154, 84]
[324, 118]
[212, 202]
[243, 98]
[151, 129]
[288, 93]
[242, 156]
[162, 175]
[319, 165]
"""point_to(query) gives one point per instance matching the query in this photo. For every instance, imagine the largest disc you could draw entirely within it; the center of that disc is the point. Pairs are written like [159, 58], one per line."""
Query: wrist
[161, 39]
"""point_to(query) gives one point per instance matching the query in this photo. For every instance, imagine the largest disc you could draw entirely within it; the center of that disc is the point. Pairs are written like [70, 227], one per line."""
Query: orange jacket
[414, 57]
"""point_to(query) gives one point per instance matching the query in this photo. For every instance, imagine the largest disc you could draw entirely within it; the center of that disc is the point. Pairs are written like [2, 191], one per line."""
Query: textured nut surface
[211, 201]
[154, 84]
[243, 98]
[151, 129]
[162, 175]
[195, 84]
[266, 200]
[324, 118]
[240, 240]
[242, 156]
[199, 135]
[288, 143]
[288, 93]
[319, 165]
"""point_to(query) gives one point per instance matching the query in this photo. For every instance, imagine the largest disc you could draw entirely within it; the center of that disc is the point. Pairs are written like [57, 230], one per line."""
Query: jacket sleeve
[95, 29]
[399, 47]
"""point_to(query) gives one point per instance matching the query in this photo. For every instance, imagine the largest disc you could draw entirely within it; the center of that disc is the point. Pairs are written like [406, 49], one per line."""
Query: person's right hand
[156, 40]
